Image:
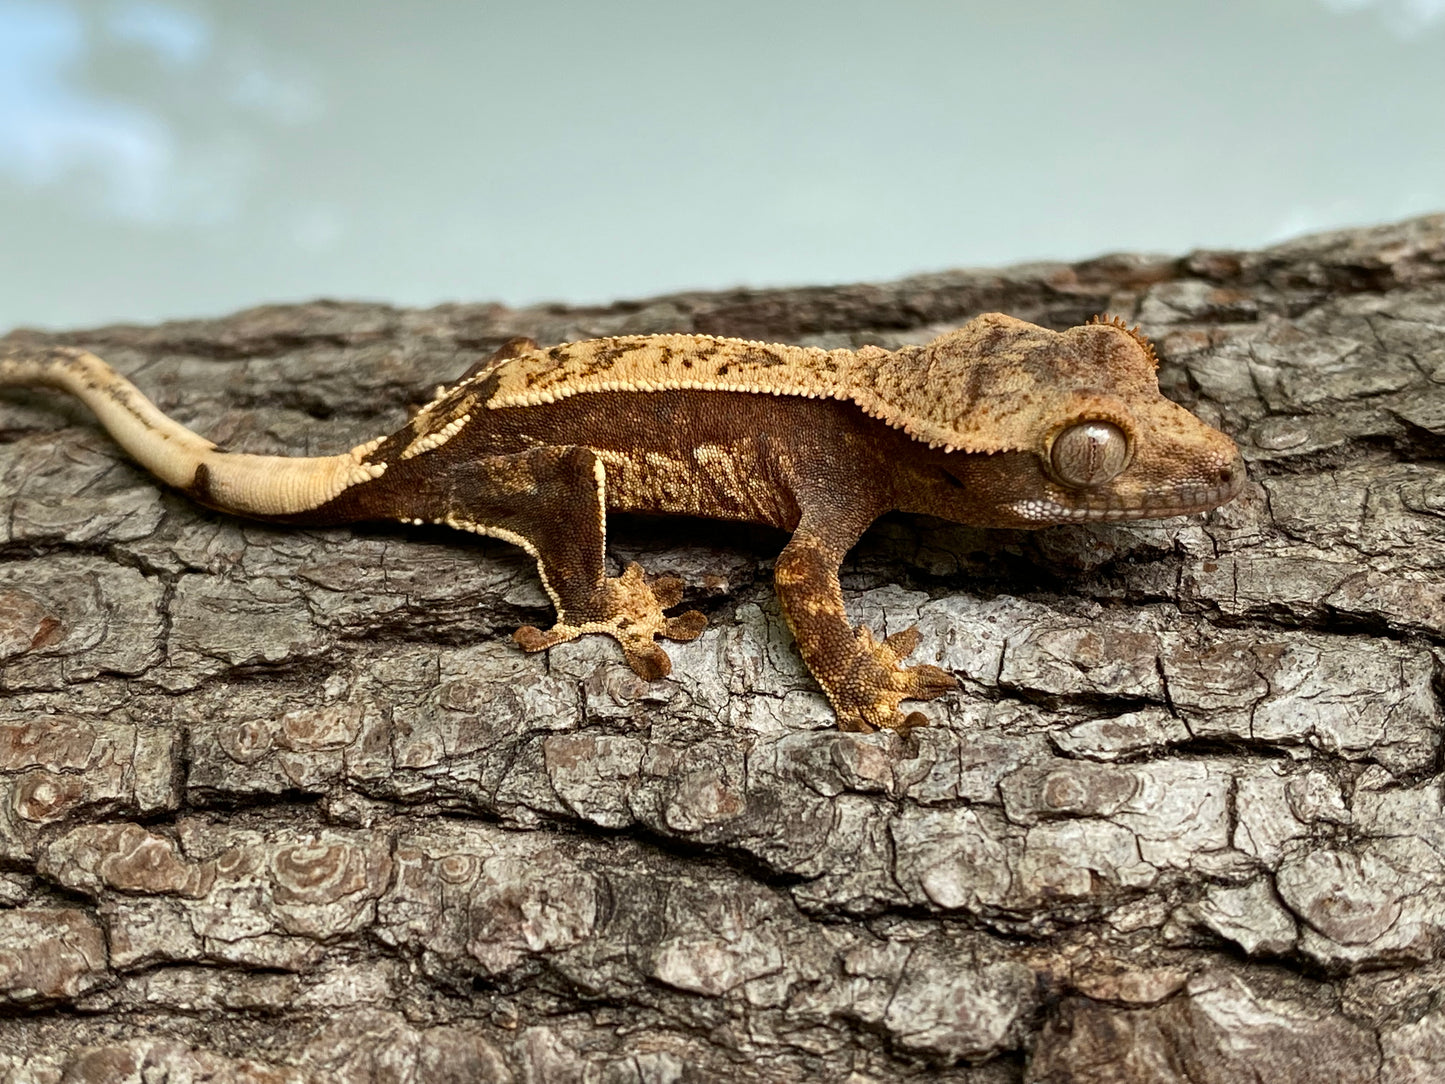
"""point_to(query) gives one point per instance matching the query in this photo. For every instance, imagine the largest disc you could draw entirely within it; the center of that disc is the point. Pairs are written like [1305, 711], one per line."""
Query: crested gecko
[999, 423]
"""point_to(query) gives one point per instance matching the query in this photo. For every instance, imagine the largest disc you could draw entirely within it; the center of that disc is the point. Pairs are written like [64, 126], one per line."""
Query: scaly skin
[1000, 423]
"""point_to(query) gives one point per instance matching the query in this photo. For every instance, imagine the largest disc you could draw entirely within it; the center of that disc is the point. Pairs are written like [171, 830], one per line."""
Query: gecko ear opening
[1089, 454]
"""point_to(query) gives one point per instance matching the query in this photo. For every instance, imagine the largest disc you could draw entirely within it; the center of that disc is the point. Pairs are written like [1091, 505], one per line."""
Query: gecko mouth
[1180, 500]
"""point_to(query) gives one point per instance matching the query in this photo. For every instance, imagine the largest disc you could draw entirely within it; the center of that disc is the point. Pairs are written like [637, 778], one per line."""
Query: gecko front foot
[867, 698]
[630, 610]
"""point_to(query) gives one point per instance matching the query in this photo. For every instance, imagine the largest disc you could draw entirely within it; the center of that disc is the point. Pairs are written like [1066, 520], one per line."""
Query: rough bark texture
[283, 805]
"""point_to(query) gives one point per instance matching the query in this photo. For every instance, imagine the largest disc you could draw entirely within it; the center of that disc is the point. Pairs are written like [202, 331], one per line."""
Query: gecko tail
[253, 485]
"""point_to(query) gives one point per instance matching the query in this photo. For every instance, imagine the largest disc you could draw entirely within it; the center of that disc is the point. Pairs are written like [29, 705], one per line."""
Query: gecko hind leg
[551, 501]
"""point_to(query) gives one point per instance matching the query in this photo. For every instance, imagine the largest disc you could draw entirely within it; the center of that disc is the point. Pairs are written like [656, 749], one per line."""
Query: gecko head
[1073, 425]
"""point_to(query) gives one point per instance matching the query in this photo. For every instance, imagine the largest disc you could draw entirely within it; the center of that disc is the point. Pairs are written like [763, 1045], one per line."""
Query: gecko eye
[1090, 453]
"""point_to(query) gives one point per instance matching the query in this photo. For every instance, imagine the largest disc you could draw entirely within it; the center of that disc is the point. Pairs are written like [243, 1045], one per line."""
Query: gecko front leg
[860, 675]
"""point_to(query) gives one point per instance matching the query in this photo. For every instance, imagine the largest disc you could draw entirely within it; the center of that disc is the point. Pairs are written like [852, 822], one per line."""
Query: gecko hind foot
[630, 610]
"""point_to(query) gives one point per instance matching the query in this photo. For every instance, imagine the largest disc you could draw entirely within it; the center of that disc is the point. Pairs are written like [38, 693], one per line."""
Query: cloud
[260, 89]
[174, 34]
[51, 133]
[125, 159]
[1407, 18]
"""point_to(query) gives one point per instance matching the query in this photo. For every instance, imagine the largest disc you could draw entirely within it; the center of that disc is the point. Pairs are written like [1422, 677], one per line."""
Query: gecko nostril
[1226, 475]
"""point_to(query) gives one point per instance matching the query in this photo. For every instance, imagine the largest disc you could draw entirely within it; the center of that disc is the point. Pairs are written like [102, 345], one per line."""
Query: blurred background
[164, 158]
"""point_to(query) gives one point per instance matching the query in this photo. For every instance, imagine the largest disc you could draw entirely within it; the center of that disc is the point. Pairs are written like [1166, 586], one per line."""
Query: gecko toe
[531, 638]
[902, 644]
[927, 682]
[684, 627]
[667, 590]
[648, 661]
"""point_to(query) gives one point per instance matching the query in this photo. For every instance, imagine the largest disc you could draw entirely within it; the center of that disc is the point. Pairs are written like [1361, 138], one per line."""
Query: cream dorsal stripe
[671, 362]
[262, 485]
[947, 398]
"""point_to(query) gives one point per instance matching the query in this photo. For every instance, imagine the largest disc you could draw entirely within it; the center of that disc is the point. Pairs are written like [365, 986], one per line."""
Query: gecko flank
[1000, 423]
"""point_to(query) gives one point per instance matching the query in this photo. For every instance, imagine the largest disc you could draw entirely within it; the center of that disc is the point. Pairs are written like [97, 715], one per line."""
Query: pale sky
[163, 159]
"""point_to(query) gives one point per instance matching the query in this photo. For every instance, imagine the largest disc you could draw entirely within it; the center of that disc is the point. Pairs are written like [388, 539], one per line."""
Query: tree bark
[289, 805]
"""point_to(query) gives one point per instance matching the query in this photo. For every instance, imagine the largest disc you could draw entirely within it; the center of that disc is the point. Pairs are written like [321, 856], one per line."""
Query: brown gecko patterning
[999, 423]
